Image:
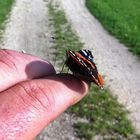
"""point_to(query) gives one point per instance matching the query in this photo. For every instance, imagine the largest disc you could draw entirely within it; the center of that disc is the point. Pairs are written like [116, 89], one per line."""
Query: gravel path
[28, 29]
[120, 67]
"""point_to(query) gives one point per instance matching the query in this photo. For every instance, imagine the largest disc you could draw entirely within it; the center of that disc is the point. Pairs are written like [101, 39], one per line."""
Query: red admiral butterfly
[82, 63]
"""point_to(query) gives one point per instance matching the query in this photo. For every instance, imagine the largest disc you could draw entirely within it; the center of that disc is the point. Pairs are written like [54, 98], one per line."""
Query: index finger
[16, 67]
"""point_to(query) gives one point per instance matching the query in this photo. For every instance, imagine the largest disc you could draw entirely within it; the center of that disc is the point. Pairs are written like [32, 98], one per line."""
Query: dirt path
[120, 67]
[28, 29]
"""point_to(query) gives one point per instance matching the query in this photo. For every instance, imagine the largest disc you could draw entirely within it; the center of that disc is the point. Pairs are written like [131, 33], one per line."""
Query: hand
[32, 95]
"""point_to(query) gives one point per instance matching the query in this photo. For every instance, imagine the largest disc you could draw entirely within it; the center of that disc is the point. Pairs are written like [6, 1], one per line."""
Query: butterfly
[81, 63]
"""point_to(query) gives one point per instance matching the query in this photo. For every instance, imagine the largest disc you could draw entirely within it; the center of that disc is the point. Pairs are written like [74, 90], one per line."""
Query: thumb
[28, 107]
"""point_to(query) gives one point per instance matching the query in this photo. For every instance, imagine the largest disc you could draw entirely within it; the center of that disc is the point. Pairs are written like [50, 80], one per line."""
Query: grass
[104, 115]
[120, 18]
[5, 8]
[65, 37]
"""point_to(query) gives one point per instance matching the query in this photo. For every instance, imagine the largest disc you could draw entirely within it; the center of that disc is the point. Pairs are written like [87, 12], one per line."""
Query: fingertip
[38, 69]
[17, 67]
[74, 88]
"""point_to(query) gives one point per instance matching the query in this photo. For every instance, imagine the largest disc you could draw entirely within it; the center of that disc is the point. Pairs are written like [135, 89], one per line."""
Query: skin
[32, 95]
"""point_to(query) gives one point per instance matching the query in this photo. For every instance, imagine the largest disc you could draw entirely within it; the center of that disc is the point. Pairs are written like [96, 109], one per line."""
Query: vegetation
[5, 7]
[103, 114]
[105, 117]
[65, 37]
[120, 18]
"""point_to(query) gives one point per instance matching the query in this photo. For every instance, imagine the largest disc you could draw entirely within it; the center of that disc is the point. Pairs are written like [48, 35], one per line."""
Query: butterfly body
[82, 63]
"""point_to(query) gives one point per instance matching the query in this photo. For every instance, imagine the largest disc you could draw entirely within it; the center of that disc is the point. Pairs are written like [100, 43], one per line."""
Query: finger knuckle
[7, 59]
[38, 96]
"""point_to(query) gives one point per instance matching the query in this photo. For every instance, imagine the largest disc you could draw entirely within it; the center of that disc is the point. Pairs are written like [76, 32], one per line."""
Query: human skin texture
[33, 95]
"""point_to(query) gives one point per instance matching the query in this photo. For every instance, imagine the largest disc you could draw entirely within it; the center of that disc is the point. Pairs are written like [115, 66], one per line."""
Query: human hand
[32, 94]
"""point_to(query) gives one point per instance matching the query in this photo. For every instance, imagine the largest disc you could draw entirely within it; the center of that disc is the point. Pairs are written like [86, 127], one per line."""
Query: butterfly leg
[63, 67]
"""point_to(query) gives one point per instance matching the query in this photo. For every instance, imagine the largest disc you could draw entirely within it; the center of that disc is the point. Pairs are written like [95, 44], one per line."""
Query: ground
[28, 29]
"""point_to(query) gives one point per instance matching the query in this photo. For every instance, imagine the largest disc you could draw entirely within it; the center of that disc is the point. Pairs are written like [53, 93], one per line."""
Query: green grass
[104, 115]
[121, 18]
[65, 37]
[5, 7]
